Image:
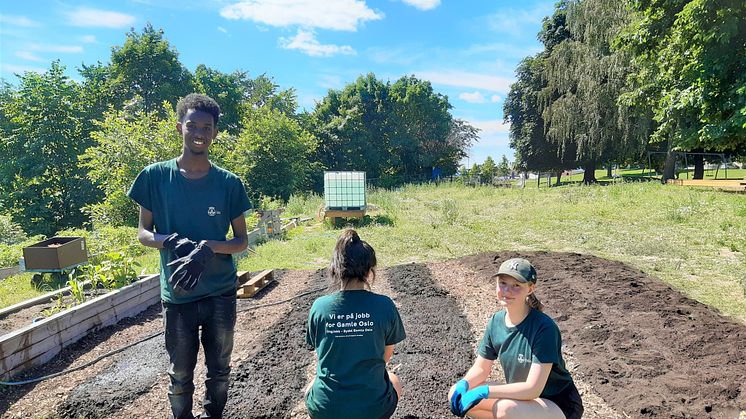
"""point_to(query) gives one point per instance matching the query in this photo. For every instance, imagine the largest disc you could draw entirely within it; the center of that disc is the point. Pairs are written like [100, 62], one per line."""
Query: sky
[467, 49]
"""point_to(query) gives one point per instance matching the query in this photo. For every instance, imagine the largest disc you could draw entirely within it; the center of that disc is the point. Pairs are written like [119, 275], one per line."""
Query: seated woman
[528, 344]
[353, 332]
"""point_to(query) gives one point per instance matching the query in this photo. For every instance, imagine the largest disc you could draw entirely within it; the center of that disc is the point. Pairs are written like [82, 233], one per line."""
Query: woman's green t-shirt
[349, 331]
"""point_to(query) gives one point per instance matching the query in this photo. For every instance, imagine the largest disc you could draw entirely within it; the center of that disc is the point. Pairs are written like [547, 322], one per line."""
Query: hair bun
[355, 237]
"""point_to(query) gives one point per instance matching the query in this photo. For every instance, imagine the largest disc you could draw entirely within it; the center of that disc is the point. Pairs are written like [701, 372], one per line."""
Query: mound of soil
[644, 348]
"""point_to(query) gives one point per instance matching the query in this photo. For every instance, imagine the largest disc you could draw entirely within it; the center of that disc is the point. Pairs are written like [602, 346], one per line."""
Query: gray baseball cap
[518, 268]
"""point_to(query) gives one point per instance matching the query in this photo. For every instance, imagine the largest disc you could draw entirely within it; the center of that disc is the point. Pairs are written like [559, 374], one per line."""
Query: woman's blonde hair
[534, 302]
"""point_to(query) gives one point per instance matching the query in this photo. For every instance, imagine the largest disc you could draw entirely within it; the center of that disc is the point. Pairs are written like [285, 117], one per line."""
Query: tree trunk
[669, 169]
[559, 176]
[609, 173]
[699, 166]
[589, 175]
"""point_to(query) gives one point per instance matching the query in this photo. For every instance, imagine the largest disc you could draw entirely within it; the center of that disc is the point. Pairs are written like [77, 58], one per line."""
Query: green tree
[272, 155]
[503, 169]
[585, 78]
[44, 187]
[488, 170]
[460, 138]
[423, 126]
[353, 127]
[534, 151]
[147, 66]
[692, 73]
[124, 144]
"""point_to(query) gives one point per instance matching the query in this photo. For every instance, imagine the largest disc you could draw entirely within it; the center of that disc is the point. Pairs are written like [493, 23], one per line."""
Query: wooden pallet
[248, 287]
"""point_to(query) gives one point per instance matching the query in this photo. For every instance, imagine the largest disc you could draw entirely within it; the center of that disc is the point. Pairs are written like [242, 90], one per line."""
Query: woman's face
[511, 292]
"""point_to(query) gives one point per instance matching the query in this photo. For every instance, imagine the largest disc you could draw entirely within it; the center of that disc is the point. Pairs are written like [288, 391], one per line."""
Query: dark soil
[127, 378]
[437, 351]
[270, 383]
[646, 349]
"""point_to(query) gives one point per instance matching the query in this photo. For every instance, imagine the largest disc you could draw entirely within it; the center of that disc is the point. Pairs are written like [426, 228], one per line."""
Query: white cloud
[56, 48]
[490, 126]
[88, 39]
[329, 81]
[341, 15]
[473, 97]
[84, 16]
[423, 4]
[399, 55]
[222, 29]
[22, 21]
[306, 42]
[517, 21]
[495, 99]
[20, 69]
[466, 79]
[29, 56]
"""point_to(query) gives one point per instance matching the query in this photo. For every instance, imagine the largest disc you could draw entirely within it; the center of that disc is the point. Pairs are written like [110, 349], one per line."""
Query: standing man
[186, 206]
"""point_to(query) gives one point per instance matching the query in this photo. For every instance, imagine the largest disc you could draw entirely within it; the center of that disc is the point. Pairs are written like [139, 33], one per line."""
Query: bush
[10, 232]
[11, 253]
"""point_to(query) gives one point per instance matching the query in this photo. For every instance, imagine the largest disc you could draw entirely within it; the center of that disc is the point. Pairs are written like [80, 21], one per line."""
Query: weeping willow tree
[584, 77]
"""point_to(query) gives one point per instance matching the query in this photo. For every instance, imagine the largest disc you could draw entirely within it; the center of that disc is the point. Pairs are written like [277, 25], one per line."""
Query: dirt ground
[635, 347]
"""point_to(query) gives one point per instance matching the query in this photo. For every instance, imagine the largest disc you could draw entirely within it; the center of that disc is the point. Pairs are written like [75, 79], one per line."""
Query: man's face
[198, 130]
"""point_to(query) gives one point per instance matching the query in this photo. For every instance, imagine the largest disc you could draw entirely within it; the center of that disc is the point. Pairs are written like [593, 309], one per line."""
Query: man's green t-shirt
[535, 340]
[200, 209]
[349, 330]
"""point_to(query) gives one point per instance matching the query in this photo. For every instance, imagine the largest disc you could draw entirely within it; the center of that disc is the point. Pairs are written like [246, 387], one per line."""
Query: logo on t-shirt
[522, 359]
[213, 212]
[349, 325]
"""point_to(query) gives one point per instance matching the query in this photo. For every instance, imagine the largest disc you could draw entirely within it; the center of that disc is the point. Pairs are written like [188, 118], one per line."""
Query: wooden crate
[247, 287]
[39, 342]
[56, 253]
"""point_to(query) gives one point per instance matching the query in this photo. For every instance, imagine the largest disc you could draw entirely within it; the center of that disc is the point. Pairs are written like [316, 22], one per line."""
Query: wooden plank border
[9, 271]
[39, 342]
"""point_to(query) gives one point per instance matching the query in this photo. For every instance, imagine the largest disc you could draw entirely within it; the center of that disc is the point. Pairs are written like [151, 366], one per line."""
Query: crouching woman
[353, 331]
[528, 344]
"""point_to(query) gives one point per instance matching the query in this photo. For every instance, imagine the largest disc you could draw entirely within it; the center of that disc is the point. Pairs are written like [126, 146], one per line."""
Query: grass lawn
[693, 239]
[631, 174]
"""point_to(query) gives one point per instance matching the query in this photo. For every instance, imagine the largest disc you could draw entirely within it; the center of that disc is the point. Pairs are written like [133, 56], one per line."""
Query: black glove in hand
[179, 244]
[190, 267]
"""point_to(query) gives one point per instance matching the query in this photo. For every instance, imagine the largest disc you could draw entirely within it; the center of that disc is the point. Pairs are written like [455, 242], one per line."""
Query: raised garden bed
[36, 343]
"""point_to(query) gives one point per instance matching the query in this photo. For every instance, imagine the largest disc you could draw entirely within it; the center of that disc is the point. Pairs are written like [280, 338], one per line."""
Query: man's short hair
[198, 102]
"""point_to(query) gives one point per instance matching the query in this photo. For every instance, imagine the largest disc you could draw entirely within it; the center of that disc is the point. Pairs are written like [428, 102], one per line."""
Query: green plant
[10, 232]
[449, 211]
[56, 308]
[115, 270]
[76, 289]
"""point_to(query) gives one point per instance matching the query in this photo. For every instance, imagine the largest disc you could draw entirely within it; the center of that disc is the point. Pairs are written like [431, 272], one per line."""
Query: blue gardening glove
[472, 397]
[190, 267]
[180, 245]
[461, 387]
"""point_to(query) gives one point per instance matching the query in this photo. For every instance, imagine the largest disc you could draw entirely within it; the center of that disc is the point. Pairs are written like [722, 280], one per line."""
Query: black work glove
[180, 245]
[190, 267]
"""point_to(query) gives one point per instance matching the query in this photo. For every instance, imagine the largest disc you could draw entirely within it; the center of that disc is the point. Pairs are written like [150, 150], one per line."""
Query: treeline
[619, 78]
[71, 149]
